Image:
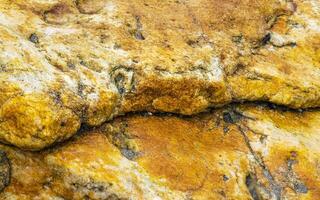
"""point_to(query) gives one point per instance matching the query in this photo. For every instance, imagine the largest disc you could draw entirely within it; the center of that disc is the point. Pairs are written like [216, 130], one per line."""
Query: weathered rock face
[241, 152]
[65, 63]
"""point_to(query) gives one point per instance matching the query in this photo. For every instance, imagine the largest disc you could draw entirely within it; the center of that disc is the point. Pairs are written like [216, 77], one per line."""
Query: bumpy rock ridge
[65, 63]
[240, 152]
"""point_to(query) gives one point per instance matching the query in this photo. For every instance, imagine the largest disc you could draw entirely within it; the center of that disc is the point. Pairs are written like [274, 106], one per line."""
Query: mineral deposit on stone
[65, 63]
[159, 99]
[241, 152]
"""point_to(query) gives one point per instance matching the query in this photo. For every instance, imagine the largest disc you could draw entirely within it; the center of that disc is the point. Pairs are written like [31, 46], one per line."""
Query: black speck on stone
[225, 129]
[34, 38]
[225, 178]
[121, 90]
[139, 36]
[266, 39]
[3, 68]
[192, 43]
[83, 63]
[71, 65]
[63, 124]
[237, 39]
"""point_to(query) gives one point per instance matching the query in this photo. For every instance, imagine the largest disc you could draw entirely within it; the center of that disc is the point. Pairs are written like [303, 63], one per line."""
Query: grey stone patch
[5, 171]
[129, 154]
[34, 38]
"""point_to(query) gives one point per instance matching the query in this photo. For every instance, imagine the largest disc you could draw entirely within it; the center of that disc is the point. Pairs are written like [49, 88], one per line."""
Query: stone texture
[239, 152]
[65, 63]
[67, 66]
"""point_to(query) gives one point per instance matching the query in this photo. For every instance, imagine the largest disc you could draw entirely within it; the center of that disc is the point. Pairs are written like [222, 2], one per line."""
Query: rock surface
[67, 66]
[65, 63]
[241, 152]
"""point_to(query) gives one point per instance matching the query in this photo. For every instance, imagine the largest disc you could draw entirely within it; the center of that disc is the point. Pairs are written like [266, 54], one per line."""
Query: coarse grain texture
[66, 63]
[239, 152]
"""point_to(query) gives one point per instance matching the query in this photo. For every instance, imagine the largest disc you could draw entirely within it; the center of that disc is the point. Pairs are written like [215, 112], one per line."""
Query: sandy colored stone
[32, 118]
[67, 63]
[96, 59]
[241, 152]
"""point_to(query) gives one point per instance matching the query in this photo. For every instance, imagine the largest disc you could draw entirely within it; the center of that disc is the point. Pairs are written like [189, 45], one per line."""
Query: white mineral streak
[50, 31]
[276, 135]
[215, 70]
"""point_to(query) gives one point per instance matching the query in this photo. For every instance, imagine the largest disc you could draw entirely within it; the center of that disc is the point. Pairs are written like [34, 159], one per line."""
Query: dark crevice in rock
[164, 114]
[265, 39]
[283, 108]
[297, 185]
[121, 139]
[118, 136]
[5, 170]
[123, 78]
[251, 183]
[275, 188]
[119, 79]
[272, 106]
[231, 117]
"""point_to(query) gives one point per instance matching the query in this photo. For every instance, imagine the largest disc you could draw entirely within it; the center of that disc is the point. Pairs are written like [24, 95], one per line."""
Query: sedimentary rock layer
[65, 63]
[241, 152]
